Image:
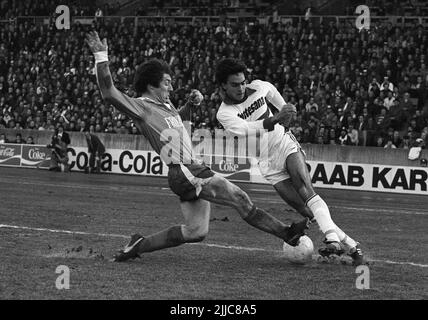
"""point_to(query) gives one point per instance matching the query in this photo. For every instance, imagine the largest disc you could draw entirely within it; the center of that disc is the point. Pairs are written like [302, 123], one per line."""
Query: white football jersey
[247, 117]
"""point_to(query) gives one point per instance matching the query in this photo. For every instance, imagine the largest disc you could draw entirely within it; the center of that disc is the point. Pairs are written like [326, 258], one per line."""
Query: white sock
[345, 239]
[322, 215]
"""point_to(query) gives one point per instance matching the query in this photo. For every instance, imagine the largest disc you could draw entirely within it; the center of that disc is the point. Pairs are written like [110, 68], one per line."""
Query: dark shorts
[186, 180]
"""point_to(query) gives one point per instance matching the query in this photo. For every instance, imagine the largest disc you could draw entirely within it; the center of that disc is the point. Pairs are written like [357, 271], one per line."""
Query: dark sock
[262, 220]
[167, 238]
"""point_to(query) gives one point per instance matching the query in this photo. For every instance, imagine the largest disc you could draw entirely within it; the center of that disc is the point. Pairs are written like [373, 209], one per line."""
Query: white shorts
[274, 168]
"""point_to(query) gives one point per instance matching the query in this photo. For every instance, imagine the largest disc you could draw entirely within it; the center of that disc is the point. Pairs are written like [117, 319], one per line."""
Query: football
[300, 254]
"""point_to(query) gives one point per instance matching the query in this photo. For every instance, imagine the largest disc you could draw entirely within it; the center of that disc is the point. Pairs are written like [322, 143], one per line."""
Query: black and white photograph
[213, 155]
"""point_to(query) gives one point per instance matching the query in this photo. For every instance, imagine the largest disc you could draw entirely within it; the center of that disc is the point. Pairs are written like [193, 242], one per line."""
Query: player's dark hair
[150, 73]
[228, 67]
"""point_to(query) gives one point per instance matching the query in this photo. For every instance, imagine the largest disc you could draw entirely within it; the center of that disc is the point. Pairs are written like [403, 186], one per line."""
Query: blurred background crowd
[350, 86]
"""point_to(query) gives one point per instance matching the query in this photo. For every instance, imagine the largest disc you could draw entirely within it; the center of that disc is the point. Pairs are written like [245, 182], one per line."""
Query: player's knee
[242, 202]
[302, 183]
[196, 234]
[199, 237]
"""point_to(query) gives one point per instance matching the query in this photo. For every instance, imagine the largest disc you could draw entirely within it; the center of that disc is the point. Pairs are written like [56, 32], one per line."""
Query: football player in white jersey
[195, 184]
[244, 111]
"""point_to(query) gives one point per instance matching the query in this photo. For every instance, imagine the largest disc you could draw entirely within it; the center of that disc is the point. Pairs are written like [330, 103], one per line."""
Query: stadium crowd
[350, 87]
[10, 9]
[203, 7]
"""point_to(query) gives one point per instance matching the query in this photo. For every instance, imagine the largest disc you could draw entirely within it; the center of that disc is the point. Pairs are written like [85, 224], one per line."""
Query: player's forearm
[251, 128]
[267, 124]
[108, 91]
[105, 81]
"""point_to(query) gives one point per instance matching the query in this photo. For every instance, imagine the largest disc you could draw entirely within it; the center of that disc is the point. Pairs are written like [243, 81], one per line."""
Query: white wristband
[100, 56]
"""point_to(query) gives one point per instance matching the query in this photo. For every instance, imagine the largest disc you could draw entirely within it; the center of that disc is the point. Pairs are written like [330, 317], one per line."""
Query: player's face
[235, 86]
[165, 87]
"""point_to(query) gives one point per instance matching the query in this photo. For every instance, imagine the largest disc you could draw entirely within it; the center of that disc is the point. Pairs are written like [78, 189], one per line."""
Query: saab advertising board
[365, 177]
[370, 177]
[348, 176]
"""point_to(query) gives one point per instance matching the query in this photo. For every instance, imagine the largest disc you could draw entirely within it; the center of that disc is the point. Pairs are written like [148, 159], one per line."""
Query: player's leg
[300, 177]
[288, 193]
[273, 170]
[91, 163]
[54, 163]
[196, 221]
[65, 164]
[97, 163]
[219, 190]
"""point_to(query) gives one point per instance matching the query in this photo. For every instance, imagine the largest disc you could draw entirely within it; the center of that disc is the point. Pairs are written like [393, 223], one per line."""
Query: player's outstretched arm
[110, 93]
[240, 127]
[236, 125]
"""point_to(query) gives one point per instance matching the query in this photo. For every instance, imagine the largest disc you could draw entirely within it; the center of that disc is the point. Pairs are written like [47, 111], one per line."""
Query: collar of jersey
[248, 92]
[157, 102]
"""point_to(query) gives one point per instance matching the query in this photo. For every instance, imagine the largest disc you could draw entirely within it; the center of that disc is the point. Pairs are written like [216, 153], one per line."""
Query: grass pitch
[79, 221]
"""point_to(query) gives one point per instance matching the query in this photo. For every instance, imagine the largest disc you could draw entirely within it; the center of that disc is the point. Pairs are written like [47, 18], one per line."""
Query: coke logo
[7, 152]
[227, 166]
[36, 155]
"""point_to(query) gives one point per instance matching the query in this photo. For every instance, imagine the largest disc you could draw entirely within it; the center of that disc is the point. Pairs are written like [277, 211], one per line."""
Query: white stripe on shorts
[195, 181]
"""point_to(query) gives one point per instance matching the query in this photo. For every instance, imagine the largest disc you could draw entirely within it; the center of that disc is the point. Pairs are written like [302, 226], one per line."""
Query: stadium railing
[331, 166]
[332, 153]
[403, 21]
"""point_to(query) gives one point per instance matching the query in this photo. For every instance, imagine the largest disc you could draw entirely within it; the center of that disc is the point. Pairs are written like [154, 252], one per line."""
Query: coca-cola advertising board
[35, 156]
[10, 155]
[232, 168]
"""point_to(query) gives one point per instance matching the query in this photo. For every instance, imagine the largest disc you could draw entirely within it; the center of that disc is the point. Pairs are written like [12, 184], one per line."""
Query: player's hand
[94, 42]
[287, 113]
[196, 97]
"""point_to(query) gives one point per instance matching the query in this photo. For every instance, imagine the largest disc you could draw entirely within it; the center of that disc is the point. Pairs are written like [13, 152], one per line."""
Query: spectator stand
[47, 79]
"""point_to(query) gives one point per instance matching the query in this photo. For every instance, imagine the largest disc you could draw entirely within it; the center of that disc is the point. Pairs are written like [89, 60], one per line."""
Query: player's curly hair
[228, 67]
[150, 73]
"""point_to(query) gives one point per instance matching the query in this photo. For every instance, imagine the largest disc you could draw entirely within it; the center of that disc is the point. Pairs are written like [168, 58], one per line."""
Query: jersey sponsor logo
[174, 122]
[252, 108]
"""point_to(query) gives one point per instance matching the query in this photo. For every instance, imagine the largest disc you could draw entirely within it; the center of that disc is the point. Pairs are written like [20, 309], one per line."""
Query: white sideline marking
[112, 235]
[403, 263]
[167, 192]
[380, 210]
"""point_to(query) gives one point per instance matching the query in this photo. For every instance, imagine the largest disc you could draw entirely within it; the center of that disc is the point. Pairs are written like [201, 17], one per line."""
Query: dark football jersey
[161, 124]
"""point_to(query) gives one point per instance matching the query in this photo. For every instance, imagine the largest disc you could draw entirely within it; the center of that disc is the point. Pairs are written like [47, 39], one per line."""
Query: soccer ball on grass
[301, 253]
